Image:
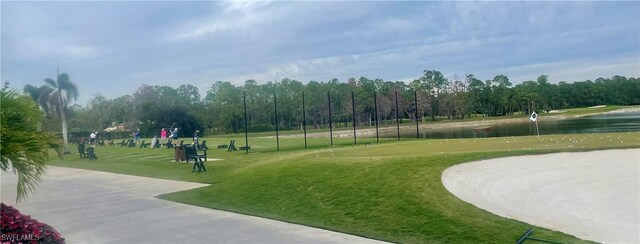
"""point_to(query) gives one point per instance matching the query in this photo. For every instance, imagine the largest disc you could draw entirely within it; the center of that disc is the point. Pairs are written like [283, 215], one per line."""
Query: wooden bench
[123, 143]
[111, 143]
[192, 153]
[245, 148]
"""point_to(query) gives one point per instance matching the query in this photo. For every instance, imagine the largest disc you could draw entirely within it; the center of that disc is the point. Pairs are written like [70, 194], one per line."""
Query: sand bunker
[591, 195]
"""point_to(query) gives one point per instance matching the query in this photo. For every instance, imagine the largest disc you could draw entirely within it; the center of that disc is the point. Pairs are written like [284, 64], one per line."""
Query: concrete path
[591, 195]
[96, 207]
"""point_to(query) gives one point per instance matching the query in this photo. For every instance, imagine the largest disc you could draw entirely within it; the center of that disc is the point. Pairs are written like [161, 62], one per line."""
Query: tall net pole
[375, 105]
[246, 133]
[330, 123]
[415, 97]
[275, 106]
[397, 119]
[304, 121]
[353, 113]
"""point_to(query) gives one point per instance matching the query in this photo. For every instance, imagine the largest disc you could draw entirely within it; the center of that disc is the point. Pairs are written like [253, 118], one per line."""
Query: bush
[18, 228]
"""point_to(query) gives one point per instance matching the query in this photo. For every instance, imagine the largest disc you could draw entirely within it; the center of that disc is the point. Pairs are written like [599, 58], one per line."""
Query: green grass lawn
[390, 191]
[581, 111]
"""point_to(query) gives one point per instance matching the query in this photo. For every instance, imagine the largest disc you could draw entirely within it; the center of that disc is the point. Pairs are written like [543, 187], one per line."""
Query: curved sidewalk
[592, 195]
[97, 207]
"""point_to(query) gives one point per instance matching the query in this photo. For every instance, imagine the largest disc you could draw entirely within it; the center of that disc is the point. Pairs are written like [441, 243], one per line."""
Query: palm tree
[61, 91]
[23, 147]
[37, 94]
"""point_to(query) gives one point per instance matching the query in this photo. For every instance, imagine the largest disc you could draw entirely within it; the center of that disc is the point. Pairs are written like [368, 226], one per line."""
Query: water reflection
[613, 122]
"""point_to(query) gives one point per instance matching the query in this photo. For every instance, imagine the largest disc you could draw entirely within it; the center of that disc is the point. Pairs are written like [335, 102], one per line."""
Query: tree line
[220, 111]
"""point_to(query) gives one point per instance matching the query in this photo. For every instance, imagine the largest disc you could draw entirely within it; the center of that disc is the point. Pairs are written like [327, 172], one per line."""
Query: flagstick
[537, 128]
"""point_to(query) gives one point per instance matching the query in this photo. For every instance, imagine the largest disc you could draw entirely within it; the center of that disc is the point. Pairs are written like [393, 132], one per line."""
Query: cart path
[97, 207]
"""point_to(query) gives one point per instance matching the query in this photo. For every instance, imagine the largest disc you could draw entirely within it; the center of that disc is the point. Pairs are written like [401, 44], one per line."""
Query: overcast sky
[112, 48]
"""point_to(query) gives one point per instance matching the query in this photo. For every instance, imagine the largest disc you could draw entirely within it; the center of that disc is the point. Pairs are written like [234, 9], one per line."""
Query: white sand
[591, 195]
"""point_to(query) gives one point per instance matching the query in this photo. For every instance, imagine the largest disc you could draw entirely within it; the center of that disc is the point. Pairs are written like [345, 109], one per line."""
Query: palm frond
[53, 84]
[64, 77]
[70, 89]
[43, 99]
[22, 146]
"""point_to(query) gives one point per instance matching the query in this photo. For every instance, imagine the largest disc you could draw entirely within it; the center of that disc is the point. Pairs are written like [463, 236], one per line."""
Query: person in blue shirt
[174, 134]
[137, 136]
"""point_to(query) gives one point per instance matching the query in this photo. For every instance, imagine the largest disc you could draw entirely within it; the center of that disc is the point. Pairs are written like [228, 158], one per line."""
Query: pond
[611, 122]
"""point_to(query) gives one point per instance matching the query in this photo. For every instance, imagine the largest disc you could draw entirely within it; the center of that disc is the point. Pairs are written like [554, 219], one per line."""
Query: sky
[112, 48]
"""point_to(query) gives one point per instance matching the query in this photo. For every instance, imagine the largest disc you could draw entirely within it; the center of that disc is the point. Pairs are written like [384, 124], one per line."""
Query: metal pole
[330, 124]
[246, 135]
[375, 105]
[304, 121]
[397, 121]
[275, 105]
[353, 113]
[415, 97]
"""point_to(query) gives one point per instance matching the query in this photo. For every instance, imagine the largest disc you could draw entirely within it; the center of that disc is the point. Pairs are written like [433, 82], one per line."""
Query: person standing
[137, 136]
[196, 139]
[174, 134]
[92, 138]
[163, 136]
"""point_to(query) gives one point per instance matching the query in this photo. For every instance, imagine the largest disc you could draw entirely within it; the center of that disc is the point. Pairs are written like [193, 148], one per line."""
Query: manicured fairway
[389, 191]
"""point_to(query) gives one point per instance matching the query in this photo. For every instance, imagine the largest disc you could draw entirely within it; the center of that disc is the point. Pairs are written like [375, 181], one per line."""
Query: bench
[192, 153]
[245, 148]
[111, 143]
[123, 143]
[131, 143]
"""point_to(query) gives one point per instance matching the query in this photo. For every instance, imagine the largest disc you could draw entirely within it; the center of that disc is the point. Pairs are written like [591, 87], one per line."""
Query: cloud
[245, 6]
[44, 48]
[375, 64]
[236, 16]
[575, 70]
[125, 44]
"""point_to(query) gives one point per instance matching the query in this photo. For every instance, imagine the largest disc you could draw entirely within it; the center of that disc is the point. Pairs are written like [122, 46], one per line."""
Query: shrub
[18, 228]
